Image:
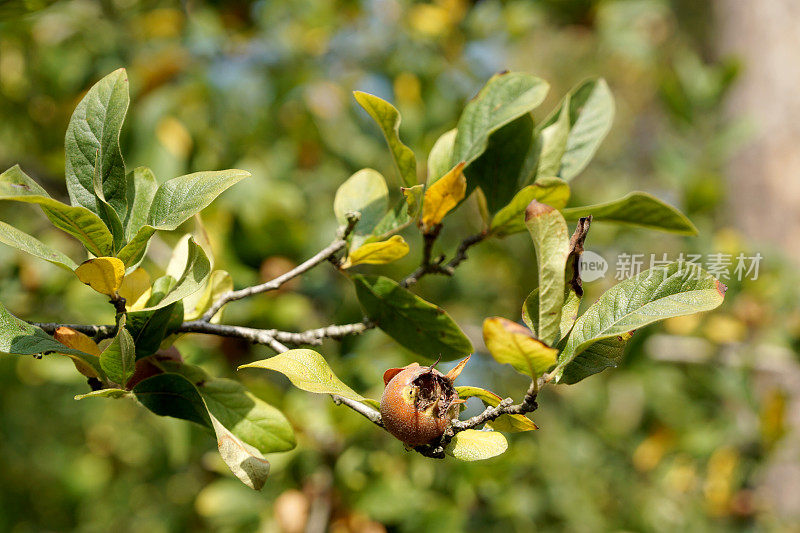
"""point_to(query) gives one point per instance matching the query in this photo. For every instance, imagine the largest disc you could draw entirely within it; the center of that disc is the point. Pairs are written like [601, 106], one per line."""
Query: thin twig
[427, 266]
[368, 412]
[322, 255]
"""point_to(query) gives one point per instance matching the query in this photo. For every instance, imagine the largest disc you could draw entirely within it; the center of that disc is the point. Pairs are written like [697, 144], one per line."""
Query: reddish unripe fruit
[418, 403]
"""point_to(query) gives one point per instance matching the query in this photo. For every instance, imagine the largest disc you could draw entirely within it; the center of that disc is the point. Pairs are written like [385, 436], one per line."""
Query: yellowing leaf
[512, 343]
[103, 274]
[134, 286]
[474, 445]
[78, 341]
[443, 196]
[378, 253]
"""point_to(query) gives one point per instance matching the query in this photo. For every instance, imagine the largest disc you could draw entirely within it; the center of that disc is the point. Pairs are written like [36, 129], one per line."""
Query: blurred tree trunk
[765, 174]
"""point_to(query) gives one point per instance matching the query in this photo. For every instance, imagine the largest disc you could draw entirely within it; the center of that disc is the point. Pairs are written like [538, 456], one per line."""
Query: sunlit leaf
[118, 360]
[550, 237]
[174, 203]
[93, 139]
[388, 118]
[307, 370]
[364, 192]
[440, 156]
[22, 241]
[598, 337]
[591, 112]
[192, 279]
[103, 274]
[377, 253]
[514, 344]
[553, 139]
[219, 282]
[245, 461]
[249, 418]
[637, 209]
[134, 287]
[443, 196]
[77, 221]
[504, 98]
[104, 393]
[144, 185]
[511, 218]
[474, 445]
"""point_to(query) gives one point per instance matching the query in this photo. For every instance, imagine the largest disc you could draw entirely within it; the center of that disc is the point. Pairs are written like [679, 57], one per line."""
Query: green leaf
[514, 344]
[149, 328]
[20, 338]
[414, 323]
[506, 423]
[511, 219]
[77, 221]
[307, 370]
[591, 112]
[364, 192]
[551, 239]
[118, 360]
[133, 252]
[637, 209]
[597, 339]
[503, 99]
[569, 311]
[249, 418]
[171, 394]
[180, 198]
[143, 186]
[193, 278]
[474, 445]
[440, 156]
[498, 169]
[93, 137]
[22, 241]
[553, 140]
[388, 118]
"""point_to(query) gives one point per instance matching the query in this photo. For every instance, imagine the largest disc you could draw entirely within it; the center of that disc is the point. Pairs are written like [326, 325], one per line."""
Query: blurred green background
[693, 433]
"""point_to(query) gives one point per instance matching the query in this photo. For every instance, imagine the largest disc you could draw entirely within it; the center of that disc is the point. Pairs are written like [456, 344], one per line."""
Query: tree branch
[322, 255]
[98, 332]
[267, 336]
